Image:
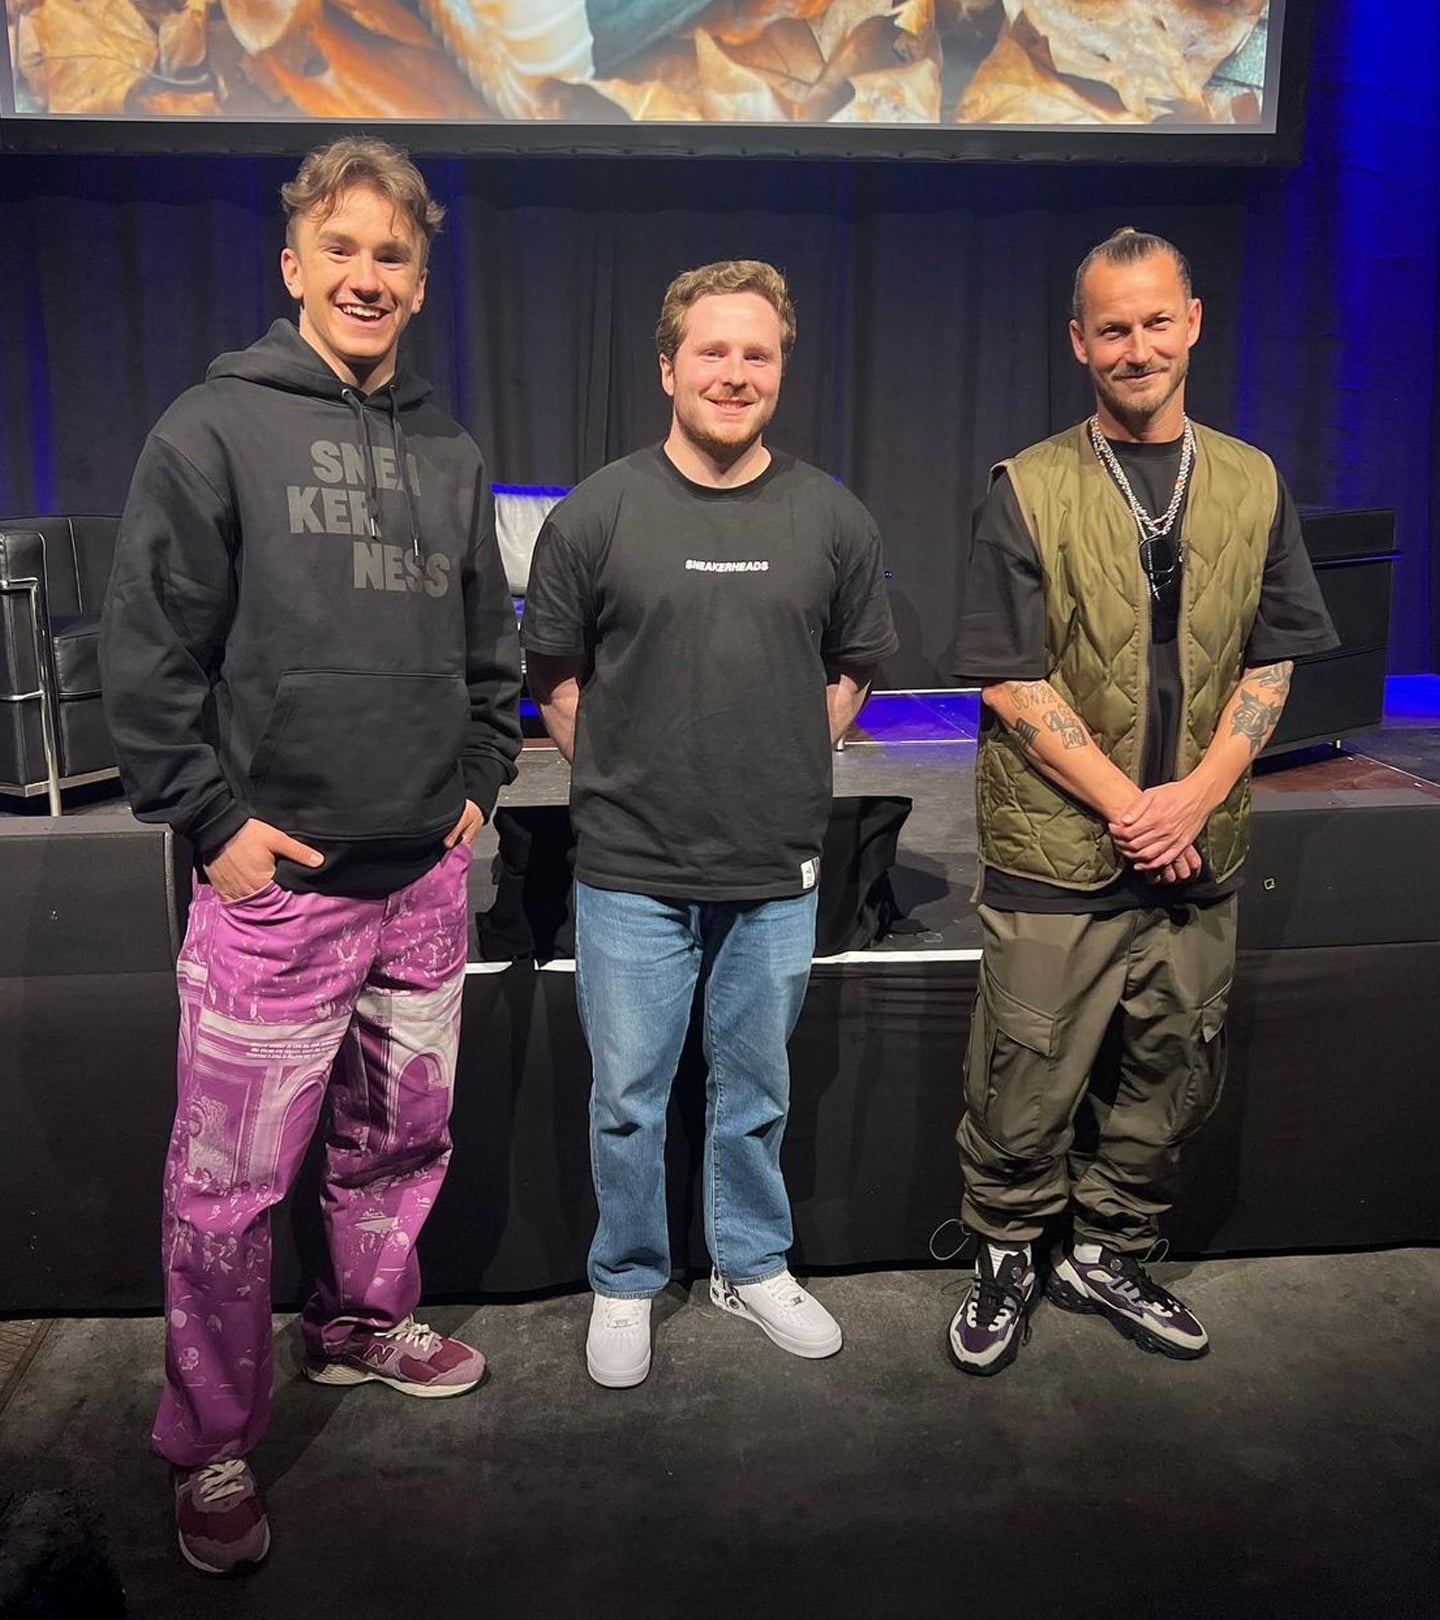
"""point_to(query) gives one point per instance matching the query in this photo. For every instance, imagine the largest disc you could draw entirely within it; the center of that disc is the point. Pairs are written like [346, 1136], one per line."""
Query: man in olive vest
[1136, 593]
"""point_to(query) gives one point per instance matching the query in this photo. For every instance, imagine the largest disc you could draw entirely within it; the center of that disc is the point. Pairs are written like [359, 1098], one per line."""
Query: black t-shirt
[1002, 638]
[707, 619]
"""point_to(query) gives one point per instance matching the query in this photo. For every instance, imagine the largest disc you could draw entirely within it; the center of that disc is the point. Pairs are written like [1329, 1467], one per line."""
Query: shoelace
[411, 1332]
[785, 1291]
[991, 1307]
[965, 1239]
[218, 1481]
[623, 1313]
[993, 1301]
[1138, 1286]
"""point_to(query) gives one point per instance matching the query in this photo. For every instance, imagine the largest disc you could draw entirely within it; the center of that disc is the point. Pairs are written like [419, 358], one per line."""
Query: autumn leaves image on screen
[933, 62]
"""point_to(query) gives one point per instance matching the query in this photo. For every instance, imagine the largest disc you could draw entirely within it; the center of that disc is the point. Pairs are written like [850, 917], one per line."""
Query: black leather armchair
[53, 574]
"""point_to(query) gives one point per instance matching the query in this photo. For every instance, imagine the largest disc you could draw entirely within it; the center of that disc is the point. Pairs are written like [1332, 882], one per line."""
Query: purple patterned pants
[285, 999]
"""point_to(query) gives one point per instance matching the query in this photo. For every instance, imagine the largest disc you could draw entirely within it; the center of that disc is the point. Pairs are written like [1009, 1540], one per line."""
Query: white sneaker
[781, 1308]
[617, 1348]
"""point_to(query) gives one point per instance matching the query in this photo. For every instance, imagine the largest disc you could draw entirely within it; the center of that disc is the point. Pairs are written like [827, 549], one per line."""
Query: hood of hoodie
[283, 359]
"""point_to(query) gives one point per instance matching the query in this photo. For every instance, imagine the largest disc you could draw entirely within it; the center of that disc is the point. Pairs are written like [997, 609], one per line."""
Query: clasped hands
[245, 863]
[1157, 834]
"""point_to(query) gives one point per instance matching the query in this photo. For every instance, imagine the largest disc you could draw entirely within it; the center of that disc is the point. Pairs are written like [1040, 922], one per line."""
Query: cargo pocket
[1008, 1070]
[1205, 1077]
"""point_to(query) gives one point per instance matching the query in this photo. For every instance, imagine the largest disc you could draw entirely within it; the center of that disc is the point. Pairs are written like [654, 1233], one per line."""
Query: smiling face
[358, 274]
[724, 384]
[1135, 335]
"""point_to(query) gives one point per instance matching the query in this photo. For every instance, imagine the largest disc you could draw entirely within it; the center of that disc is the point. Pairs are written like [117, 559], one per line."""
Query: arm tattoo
[1276, 677]
[1062, 721]
[1261, 702]
[1254, 718]
[1051, 711]
[1028, 694]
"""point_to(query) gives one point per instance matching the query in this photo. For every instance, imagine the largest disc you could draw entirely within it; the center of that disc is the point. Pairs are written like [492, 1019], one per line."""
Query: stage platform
[1322, 1140]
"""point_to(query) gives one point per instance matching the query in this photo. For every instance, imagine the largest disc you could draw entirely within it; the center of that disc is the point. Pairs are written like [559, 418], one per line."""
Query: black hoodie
[308, 620]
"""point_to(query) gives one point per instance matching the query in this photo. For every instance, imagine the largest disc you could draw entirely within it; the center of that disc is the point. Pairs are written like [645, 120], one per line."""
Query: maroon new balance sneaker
[409, 1357]
[219, 1517]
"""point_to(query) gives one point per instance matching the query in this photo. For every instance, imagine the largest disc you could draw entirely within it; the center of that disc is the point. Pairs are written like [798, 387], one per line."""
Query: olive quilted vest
[1097, 615]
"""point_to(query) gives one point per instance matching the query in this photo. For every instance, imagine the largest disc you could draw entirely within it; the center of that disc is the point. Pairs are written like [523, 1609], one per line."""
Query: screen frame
[1207, 146]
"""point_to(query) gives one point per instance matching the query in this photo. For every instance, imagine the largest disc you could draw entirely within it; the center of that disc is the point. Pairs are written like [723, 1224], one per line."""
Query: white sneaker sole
[608, 1378]
[336, 1374]
[807, 1349]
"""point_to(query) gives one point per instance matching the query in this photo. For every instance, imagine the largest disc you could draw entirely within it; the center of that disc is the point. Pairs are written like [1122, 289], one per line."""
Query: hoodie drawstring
[356, 402]
[402, 467]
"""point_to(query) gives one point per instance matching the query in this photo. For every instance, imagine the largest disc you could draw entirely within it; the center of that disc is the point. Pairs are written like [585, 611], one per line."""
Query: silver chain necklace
[1151, 528]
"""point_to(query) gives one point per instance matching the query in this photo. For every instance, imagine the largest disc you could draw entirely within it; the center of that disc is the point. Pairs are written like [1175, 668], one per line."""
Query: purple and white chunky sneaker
[994, 1317]
[1117, 1287]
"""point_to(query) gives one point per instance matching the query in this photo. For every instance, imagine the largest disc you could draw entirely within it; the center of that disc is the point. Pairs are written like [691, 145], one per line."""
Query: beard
[1136, 414]
[724, 448]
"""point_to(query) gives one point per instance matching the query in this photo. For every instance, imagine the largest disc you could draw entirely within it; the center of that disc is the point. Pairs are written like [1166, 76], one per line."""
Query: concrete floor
[1293, 1472]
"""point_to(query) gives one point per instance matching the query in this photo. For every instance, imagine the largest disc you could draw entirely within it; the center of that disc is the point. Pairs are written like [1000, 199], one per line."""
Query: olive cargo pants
[1050, 986]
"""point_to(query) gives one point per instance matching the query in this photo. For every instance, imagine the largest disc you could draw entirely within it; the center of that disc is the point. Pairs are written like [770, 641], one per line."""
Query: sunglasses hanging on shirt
[1161, 560]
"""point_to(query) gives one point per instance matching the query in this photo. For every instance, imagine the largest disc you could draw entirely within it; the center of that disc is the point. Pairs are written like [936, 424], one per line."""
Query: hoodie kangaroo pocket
[354, 754]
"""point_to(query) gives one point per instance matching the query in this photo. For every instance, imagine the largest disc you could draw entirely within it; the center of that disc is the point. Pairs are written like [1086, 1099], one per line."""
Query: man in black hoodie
[311, 672]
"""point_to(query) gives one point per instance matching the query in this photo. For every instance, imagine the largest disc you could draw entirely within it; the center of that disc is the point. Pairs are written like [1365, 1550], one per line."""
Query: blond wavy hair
[330, 171]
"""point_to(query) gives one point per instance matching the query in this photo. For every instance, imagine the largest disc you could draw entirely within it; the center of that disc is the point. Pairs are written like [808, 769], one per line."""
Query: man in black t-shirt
[1136, 594]
[701, 622]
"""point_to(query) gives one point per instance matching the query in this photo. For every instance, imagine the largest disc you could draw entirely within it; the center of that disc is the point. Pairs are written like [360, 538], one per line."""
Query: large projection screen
[1208, 80]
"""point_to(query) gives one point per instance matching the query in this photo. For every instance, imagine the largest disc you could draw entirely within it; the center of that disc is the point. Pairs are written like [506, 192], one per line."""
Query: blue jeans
[638, 960]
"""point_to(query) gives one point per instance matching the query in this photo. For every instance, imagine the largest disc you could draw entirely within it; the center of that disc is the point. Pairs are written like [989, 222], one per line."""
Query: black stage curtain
[931, 301]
